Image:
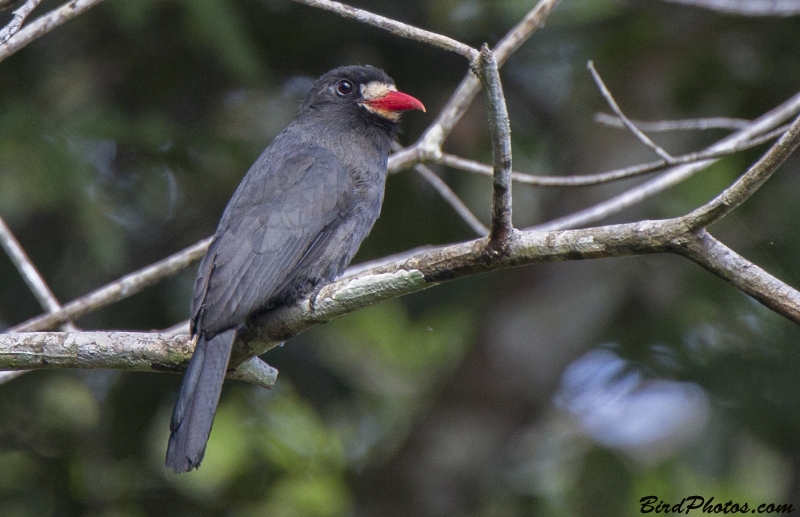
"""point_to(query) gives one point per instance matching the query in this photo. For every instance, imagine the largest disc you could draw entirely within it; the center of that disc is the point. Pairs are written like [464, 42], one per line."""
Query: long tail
[197, 401]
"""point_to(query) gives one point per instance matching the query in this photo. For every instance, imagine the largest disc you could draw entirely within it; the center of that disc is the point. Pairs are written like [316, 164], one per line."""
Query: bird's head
[360, 91]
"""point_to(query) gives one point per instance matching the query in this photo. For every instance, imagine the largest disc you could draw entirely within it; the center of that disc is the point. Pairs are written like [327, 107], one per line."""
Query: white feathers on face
[375, 90]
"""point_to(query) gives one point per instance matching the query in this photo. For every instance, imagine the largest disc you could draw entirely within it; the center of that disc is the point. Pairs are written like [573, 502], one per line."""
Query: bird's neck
[369, 144]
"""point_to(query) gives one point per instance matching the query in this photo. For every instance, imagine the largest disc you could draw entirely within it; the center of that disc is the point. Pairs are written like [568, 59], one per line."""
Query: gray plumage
[295, 221]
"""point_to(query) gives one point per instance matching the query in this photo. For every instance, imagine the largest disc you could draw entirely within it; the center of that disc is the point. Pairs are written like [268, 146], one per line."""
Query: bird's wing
[280, 216]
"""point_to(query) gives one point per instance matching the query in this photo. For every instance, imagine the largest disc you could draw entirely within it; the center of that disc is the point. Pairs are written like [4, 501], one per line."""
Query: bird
[295, 222]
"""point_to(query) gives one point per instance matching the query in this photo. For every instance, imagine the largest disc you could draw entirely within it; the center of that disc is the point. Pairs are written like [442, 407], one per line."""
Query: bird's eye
[344, 87]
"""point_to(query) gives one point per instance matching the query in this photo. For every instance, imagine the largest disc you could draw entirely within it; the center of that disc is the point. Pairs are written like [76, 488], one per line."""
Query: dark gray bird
[295, 221]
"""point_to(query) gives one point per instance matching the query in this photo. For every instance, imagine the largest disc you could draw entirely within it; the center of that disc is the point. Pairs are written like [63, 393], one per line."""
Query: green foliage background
[124, 132]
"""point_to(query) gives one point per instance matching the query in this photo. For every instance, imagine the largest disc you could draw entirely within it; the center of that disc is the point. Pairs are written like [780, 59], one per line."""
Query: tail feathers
[197, 402]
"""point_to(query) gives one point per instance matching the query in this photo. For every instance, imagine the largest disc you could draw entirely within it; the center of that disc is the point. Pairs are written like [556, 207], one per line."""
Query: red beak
[395, 101]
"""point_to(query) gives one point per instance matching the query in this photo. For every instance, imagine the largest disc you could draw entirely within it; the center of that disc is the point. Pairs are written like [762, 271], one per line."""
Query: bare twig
[747, 7]
[749, 182]
[720, 260]
[118, 290]
[45, 24]
[26, 268]
[452, 199]
[19, 18]
[696, 124]
[395, 27]
[521, 32]
[34, 280]
[500, 130]
[446, 192]
[674, 175]
[625, 120]
[433, 138]
[605, 177]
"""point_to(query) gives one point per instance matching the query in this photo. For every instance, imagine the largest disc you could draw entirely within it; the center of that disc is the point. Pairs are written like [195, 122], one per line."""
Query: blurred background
[563, 389]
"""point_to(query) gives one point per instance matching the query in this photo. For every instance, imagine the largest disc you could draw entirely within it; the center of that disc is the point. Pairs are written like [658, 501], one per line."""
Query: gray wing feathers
[265, 234]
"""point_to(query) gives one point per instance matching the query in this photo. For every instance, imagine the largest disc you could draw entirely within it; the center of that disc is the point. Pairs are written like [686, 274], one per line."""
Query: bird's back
[297, 219]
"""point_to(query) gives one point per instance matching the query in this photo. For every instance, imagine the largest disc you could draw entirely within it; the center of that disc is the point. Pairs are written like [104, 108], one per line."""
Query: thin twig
[30, 273]
[19, 18]
[694, 124]
[45, 24]
[625, 120]
[452, 199]
[26, 268]
[118, 290]
[749, 182]
[448, 195]
[604, 177]
[395, 27]
[720, 260]
[673, 175]
[465, 93]
[522, 31]
[500, 130]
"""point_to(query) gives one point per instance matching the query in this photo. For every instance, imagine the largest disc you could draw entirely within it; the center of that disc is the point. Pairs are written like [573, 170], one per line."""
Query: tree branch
[11, 375]
[684, 235]
[696, 124]
[395, 27]
[674, 175]
[167, 352]
[29, 272]
[431, 141]
[585, 180]
[19, 18]
[118, 290]
[452, 199]
[500, 130]
[717, 258]
[44, 24]
[129, 351]
[748, 182]
[624, 119]
[446, 263]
